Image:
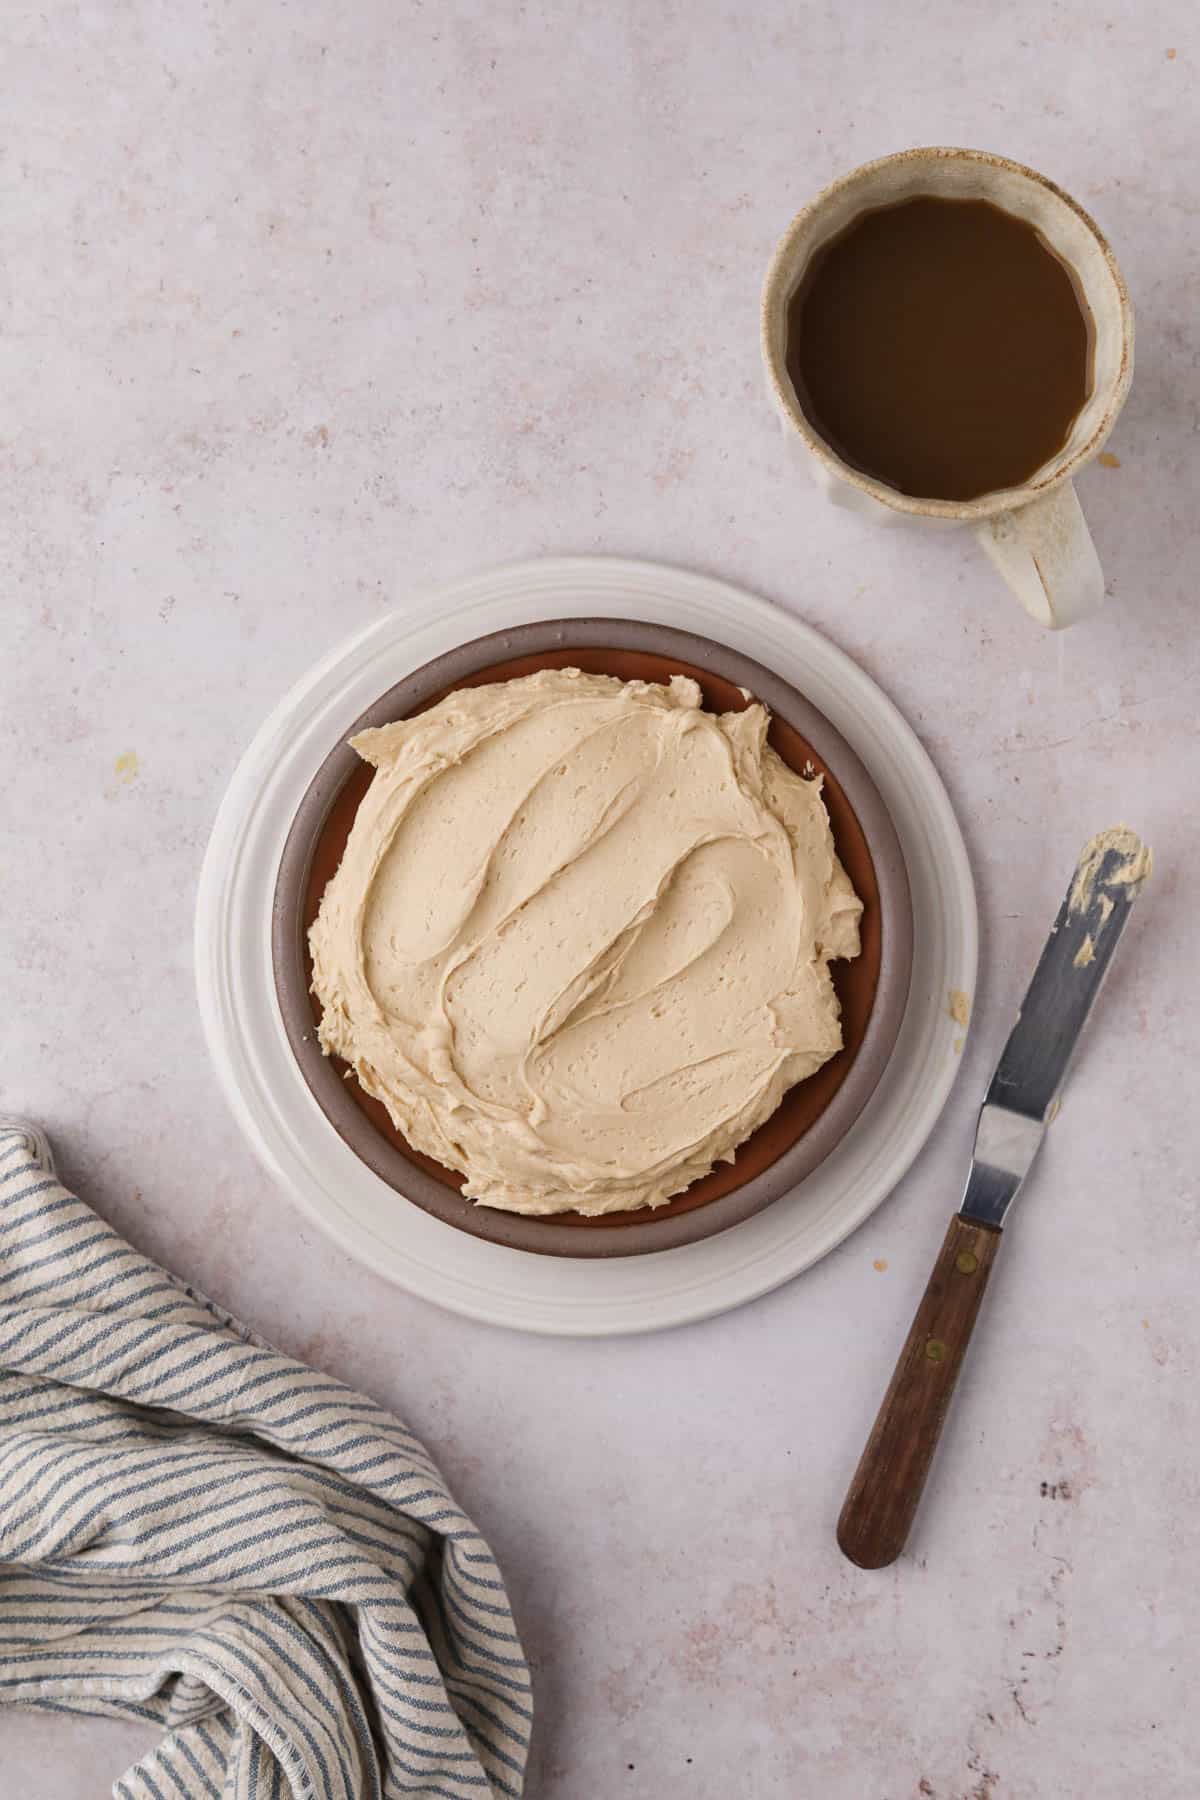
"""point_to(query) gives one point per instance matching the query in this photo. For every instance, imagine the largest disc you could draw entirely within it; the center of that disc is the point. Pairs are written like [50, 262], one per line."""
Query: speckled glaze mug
[1035, 535]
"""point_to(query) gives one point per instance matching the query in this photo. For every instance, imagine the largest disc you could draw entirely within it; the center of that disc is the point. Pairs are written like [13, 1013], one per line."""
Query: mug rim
[998, 500]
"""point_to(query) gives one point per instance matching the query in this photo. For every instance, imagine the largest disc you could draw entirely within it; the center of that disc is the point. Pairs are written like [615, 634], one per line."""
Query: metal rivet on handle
[966, 1262]
[935, 1350]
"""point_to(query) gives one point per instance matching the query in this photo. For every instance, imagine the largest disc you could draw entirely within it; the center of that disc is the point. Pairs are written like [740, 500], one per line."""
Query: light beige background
[306, 305]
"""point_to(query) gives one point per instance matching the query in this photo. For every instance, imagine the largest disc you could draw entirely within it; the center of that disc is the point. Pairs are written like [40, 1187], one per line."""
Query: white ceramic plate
[289, 1133]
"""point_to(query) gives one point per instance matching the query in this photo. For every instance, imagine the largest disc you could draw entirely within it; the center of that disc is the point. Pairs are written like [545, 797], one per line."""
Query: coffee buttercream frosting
[579, 941]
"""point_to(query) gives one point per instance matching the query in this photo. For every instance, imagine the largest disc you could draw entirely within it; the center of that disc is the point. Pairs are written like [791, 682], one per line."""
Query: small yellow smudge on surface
[1171, 54]
[1145, 1324]
[958, 1044]
[1107, 460]
[126, 767]
[959, 1007]
[1086, 953]
[880, 1264]
[1055, 1109]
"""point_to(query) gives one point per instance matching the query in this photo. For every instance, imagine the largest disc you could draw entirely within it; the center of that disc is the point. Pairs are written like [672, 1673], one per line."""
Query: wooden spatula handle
[890, 1477]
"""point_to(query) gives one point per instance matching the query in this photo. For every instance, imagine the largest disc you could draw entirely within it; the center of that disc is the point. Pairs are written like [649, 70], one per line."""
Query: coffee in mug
[948, 339]
[942, 346]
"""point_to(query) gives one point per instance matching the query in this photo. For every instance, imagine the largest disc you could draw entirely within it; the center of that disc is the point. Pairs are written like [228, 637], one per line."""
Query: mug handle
[1045, 553]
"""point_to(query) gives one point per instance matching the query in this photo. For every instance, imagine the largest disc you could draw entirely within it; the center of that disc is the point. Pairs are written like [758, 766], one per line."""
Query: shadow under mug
[1035, 535]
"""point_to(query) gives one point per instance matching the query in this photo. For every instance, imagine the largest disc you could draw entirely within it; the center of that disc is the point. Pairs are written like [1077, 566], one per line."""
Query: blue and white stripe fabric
[202, 1533]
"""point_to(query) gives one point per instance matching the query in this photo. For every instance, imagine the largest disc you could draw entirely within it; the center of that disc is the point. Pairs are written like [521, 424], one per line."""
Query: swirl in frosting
[579, 940]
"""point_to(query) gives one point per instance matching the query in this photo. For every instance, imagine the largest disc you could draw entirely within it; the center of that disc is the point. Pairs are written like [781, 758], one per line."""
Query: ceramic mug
[1036, 534]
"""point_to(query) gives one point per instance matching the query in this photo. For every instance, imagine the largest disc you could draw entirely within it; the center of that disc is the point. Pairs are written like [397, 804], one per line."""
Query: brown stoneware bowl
[814, 1116]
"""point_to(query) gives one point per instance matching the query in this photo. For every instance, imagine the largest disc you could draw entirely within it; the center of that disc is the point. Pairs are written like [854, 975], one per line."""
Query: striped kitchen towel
[202, 1533]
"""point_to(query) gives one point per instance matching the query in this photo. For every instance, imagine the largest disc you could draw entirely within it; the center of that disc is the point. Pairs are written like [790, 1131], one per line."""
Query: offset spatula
[1021, 1101]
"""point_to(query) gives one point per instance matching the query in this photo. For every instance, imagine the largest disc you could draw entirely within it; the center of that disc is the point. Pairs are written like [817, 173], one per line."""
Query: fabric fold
[203, 1533]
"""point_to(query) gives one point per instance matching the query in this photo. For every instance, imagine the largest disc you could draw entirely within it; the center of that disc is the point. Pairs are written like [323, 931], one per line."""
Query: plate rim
[232, 929]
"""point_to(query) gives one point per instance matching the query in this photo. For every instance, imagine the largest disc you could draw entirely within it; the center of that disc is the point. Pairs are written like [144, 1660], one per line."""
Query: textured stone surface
[307, 306]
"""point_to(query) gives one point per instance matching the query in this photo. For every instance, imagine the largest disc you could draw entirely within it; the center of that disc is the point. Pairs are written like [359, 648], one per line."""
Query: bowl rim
[542, 1235]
